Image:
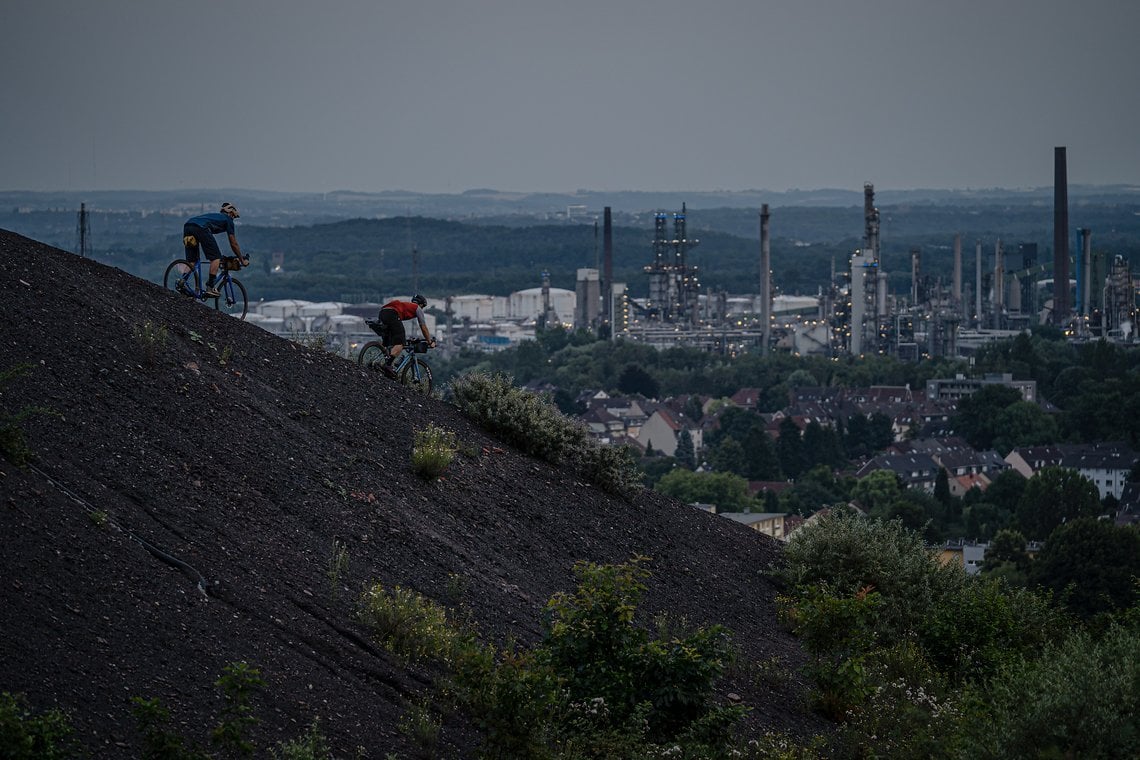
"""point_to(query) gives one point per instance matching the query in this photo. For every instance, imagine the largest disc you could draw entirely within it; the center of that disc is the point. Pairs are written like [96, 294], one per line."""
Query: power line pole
[82, 232]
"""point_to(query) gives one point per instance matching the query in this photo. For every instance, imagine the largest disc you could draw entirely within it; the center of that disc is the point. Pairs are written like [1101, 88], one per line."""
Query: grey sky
[531, 95]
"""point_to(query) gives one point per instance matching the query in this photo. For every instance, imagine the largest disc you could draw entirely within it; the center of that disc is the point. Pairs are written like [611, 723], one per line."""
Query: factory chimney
[956, 292]
[978, 316]
[1060, 238]
[999, 285]
[608, 271]
[915, 275]
[1086, 271]
[765, 282]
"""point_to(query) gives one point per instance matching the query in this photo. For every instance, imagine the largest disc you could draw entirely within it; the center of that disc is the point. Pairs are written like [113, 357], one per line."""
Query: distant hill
[195, 478]
[338, 245]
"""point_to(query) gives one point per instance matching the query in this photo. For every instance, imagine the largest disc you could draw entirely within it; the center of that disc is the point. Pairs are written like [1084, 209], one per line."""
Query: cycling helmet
[228, 208]
[417, 298]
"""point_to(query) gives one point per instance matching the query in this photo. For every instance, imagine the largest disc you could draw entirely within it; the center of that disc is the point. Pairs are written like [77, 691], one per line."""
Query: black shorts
[204, 239]
[394, 333]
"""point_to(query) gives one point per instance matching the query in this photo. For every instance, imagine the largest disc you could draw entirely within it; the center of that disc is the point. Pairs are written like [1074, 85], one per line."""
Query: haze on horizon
[443, 96]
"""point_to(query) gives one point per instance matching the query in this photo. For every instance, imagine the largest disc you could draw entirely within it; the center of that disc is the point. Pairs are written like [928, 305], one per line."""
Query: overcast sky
[531, 95]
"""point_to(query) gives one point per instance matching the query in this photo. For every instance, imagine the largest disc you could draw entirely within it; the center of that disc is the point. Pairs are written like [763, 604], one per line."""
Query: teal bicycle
[409, 368]
[185, 277]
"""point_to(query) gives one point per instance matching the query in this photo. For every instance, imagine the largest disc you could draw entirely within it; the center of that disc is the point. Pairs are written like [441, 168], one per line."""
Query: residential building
[960, 386]
[768, 523]
[1107, 465]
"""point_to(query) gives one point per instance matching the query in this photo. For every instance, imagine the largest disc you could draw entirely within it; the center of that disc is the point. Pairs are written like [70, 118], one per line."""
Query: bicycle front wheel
[232, 300]
[371, 355]
[181, 272]
[417, 375]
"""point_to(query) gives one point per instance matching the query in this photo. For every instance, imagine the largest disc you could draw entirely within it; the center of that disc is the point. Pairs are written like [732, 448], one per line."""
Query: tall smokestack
[765, 282]
[999, 285]
[956, 292]
[1086, 271]
[608, 272]
[978, 284]
[915, 274]
[1060, 237]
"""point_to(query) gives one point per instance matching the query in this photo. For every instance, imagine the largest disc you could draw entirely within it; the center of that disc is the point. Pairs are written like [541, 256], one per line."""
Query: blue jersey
[214, 223]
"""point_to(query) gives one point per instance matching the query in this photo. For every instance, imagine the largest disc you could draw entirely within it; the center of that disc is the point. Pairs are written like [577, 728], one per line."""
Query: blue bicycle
[409, 368]
[185, 277]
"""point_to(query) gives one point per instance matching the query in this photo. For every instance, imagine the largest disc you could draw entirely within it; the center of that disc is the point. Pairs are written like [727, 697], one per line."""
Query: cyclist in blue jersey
[200, 231]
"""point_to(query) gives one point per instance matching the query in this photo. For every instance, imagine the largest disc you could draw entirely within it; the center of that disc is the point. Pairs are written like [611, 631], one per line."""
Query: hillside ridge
[251, 460]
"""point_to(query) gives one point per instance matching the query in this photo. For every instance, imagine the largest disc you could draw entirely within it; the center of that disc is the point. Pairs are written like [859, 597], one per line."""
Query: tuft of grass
[153, 338]
[432, 452]
[422, 726]
[338, 563]
[317, 340]
[312, 745]
[13, 445]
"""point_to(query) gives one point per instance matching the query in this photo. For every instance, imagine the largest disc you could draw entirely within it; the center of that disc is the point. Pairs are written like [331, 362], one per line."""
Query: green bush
[408, 625]
[432, 451]
[159, 743]
[851, 552]
[594, 645]
[598, 686]
[535, 427]
[28, 736]
[237, 682]
[1080, 698]
[908, 712]
[984, 623]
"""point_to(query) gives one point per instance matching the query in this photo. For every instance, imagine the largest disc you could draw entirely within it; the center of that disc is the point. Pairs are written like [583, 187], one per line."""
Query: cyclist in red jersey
[392, 316]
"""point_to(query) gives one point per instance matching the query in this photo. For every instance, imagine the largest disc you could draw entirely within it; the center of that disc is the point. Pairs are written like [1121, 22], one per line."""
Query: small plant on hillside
[25, 735]
[237, 684]
[153, 338]
[310, 746]
[159, 743]
[422, 726]
[407, 624]
[338, 563]
[317, 341]
[432, 451]
[13, 446]
[538, 428]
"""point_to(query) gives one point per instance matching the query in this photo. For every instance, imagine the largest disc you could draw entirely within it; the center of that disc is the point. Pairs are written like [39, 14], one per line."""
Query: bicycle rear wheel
[181, 271]
[371, 355]
[232, 299]
[422, 384]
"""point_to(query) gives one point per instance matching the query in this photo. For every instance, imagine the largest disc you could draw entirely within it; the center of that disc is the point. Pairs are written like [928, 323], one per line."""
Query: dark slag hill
[246, 459]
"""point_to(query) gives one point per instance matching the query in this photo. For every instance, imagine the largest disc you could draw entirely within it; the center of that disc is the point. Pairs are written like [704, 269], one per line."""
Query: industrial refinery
[1011, 290]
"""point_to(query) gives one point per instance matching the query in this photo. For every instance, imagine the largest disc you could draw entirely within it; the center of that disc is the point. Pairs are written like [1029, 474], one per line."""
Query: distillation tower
[674, 287]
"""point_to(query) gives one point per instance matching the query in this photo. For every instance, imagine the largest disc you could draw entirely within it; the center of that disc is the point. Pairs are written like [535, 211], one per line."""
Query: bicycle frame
[407, 355]
[223, 282]
[186, 277]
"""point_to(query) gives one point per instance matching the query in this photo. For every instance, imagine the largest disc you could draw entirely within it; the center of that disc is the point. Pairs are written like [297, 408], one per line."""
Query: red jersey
[404, 309]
